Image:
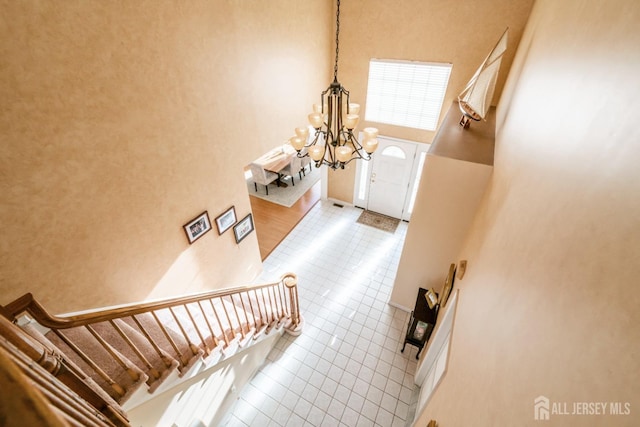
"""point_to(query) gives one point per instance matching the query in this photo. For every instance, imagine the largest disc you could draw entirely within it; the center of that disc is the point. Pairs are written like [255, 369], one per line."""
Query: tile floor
[346, 369]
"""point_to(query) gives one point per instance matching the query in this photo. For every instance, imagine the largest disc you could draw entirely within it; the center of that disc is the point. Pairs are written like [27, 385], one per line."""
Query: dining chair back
[294, 167]
[306, 161]
[261, 176]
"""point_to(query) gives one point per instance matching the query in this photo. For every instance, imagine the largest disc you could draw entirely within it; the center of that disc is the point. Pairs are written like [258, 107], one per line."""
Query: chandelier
[334, 119]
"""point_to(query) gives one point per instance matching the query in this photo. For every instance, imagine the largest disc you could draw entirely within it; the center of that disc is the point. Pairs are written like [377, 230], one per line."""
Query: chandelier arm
[359, 157]
[346, 136]
[315, 139]
[339, 127]
[332, 156]
[329, 137]
[349, 136]
[355, 142]
[329, 133]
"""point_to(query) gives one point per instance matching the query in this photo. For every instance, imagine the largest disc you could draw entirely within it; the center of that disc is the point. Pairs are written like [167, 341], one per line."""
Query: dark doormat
[379, 221]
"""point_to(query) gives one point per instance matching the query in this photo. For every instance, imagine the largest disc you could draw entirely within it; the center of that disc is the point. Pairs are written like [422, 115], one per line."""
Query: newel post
[294, 327]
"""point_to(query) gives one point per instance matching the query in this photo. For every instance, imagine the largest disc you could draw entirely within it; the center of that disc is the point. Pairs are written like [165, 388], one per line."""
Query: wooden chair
[261, 176]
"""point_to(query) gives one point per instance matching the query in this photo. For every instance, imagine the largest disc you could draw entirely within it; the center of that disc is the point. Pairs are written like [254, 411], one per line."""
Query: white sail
[475, 99]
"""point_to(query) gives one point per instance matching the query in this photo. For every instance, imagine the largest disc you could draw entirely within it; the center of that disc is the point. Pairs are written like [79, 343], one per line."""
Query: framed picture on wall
[448, 284]
[197, 227]
[243, 228]
[226, 220]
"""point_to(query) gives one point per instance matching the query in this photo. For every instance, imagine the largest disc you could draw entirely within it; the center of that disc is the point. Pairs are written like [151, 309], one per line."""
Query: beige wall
[455, 176]
[444, 211]
[122, 120]
[549, 305]
[461, 33]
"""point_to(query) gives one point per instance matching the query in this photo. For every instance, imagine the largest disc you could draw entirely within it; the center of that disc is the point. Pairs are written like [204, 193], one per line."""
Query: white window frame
[416, 176]
[406, 93]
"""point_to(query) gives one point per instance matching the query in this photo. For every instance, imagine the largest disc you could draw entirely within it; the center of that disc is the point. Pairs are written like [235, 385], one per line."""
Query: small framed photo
[226, 220]
[432, 298]
[197, 227]
[421, 329]
[243, 228]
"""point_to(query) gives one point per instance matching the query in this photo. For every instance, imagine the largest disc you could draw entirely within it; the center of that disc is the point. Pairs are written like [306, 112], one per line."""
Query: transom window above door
[393, 151]
[406, 93]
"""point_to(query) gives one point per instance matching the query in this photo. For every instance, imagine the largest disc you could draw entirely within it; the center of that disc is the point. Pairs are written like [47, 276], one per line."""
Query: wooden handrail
[172, 327]
[27, 303]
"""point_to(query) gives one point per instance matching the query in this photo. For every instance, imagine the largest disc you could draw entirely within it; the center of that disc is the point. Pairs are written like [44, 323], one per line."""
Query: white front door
[390, 175]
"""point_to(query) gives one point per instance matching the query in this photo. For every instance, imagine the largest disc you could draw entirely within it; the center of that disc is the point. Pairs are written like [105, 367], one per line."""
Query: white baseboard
[401, 307]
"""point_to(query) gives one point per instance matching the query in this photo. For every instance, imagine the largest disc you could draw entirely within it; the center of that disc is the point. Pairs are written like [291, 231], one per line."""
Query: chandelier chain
[335, 68]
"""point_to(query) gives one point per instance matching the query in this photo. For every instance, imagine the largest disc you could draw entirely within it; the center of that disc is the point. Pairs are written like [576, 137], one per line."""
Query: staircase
[91, 367]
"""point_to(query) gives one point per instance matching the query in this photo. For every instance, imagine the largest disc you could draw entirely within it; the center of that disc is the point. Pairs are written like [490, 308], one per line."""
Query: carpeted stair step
[206, 321]
[173, 343]
[38, 336]
[156, 363]
[126, 377]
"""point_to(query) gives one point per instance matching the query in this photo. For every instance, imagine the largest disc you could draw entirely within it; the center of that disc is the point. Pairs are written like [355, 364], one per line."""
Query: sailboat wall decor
[475, 99]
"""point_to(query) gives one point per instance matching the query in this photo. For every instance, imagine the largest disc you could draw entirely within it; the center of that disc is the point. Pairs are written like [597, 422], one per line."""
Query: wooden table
[276, 160]
[278, 163]
[421, 323]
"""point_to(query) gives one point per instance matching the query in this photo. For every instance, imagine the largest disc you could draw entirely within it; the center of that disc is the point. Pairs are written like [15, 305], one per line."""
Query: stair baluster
[208, 323]
[114, 385]
[122, 348]
[224, 334]
[153, 371]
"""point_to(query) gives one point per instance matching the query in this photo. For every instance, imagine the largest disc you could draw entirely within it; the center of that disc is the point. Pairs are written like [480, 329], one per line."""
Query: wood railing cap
[27, 303]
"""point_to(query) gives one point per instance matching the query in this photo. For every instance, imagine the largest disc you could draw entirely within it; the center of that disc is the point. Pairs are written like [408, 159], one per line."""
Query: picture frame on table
[420, 330]
[226, 220]
[243, 228]
[197, 227]
[432, 298]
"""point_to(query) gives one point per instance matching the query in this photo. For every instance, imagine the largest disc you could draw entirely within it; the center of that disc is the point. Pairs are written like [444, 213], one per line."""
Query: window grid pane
[406, 93]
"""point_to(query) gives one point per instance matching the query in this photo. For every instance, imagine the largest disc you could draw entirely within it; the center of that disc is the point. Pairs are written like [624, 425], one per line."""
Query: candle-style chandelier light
[334, 143]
